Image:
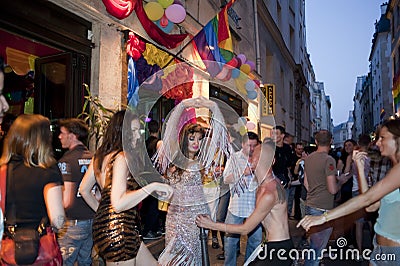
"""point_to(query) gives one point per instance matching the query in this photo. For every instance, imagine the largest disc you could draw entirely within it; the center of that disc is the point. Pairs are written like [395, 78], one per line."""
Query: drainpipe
[258, 59]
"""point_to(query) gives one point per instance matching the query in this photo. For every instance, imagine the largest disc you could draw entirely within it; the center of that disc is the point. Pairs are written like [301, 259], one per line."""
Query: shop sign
[268, 102]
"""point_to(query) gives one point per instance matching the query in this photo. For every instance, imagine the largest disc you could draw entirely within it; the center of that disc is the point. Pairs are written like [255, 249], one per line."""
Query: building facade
[382, 99]
[71, 43]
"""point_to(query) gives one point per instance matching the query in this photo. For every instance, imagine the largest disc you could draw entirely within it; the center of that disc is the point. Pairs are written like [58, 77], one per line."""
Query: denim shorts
[383, 255]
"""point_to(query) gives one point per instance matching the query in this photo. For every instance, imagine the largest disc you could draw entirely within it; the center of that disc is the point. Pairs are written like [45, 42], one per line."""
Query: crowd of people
[102, 210]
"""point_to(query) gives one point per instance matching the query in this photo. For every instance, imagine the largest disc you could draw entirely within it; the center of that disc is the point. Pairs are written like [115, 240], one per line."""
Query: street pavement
[157, 246]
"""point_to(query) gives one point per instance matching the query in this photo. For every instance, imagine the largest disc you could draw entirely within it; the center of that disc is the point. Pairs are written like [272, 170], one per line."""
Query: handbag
[27, 246]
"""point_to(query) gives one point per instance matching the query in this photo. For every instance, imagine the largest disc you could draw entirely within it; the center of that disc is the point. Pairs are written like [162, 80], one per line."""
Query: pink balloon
[250, 125]
[251, 64]
[175, 13]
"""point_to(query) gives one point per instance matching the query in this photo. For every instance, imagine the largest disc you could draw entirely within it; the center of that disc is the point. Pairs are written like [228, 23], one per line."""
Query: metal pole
[205, 260]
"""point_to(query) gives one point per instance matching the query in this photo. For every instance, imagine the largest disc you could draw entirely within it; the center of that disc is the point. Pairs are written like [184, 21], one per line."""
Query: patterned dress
[116, 234]
[182, 234]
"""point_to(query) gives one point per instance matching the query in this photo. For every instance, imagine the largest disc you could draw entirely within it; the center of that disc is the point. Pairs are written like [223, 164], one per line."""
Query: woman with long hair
[185, 158]
[116, 225]
[384, 195]
[34, 189]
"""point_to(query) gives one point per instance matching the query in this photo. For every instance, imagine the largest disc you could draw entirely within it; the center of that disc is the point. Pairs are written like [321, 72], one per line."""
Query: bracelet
[325, 216]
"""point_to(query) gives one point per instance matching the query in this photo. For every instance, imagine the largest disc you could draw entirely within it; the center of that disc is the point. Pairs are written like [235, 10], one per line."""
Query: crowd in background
[94, 198]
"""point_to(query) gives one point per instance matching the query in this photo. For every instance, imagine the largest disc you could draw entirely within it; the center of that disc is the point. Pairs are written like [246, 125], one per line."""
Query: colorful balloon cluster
[239, 68]
[165, 13]
[244, 125]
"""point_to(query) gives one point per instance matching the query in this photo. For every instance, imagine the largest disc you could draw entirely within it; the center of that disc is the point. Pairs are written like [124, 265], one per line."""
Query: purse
[27, 246]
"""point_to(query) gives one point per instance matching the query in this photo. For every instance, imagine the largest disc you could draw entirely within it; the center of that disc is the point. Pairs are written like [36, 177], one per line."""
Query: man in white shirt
[239, 175]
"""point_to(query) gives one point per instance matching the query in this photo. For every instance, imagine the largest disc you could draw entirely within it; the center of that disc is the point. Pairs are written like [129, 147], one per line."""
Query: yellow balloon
[245, 68]
[165, 3]
[154, 10]
[242, 130]
[240, 85]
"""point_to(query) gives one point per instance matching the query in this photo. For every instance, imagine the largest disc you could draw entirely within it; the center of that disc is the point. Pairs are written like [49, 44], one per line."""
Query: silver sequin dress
[182, 234]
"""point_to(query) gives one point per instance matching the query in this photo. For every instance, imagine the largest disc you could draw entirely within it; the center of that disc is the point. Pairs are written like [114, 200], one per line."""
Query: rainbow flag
[396, 93]
[214, 41]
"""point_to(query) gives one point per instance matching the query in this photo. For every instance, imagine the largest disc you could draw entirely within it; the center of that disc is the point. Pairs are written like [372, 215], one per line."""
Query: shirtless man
[271, 211]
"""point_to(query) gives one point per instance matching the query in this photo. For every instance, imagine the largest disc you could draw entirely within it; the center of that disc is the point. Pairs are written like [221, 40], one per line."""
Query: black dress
[116, 235]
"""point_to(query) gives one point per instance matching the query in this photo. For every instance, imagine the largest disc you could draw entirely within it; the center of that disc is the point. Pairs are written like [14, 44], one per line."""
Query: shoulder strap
[3, 177]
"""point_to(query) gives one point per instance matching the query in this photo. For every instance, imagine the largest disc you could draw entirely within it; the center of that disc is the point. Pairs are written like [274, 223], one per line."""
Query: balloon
[166, 29]
[239, 62]
[242, 130]
[176, 13]
[251, 64]
[242, 120]
[235, 73]
[243, 77]
[178, 2]
[228, 76]
[233, 62]
[252, 95]
[154, 10]
[250, 125]
[257, 82]
[164, 21]
[250, 85]
[240, 86]
[245, 68]
[120, 9]
[165, 3]
[222, 75]
[242, 58]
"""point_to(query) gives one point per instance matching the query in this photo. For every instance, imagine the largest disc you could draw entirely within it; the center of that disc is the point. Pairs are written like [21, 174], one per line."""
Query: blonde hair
[29, 137]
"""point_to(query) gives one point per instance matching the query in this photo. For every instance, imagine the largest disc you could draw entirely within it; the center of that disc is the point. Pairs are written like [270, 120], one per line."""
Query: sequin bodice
[182, 234]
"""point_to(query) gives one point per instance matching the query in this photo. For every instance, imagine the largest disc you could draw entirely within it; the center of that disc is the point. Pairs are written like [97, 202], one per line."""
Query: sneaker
[151, 236]
[215, 244]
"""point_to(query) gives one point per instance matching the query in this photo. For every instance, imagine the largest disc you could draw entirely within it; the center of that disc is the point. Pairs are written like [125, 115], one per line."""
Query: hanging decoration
[154, 10]
[155, 56]
[133, 83]
[214, 45]
[175, 85]
[135, 47]
[120, 8]
[175, 13]
[160, 36]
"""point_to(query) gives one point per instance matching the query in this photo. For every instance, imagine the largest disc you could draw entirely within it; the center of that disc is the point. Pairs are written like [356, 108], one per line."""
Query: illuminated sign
[268, 103]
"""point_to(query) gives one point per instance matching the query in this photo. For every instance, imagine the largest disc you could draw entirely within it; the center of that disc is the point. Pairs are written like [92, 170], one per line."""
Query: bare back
[276, 222]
